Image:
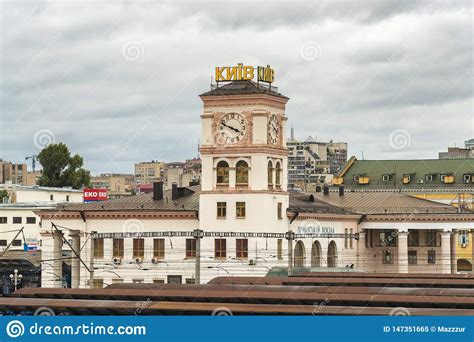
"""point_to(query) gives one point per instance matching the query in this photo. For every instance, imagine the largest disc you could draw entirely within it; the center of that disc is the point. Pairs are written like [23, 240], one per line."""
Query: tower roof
[243, 88]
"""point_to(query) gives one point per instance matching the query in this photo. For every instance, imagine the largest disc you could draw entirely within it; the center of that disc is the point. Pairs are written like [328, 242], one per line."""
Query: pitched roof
[189, 201]
[243, 88]
[417, 169]
[300, 202]
[383, 203]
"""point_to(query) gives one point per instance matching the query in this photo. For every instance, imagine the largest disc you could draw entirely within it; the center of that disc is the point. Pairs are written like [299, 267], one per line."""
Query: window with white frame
[467, 178]
[386, 178]
[463, 237]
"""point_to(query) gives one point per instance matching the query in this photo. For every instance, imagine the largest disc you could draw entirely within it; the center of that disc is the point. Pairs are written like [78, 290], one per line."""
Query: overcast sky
[118, 82]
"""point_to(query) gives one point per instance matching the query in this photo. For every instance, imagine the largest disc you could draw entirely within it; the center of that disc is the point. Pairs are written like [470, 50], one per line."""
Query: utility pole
[198, 235]
[290, 236]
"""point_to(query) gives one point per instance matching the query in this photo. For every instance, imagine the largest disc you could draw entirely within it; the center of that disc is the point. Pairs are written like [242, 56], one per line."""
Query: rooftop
[242, 88]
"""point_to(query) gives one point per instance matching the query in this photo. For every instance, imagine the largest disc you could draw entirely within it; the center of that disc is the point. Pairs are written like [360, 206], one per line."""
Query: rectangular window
[3, 220]
[190, 248]
[467, 178]
[175, 279]
[137, 281]
[17, 220]
[221, 209]
[388, 237]
[98, 248]
[280, 249]
[356, 178]
[117, 247]
[350, 238]
[429, 178]
[67, 198]
[51, 197]
[442, 177]
[280, 211]
[386, 178]
[190, 281]
[159, 248]
[413, 238]
[3, 243]
[463, 238]
[431, 257]
[412, 258]
[117, 280]
[240, 209]
[16, 243]
[387, 257]
[242, 248]
[158, 281]
[138, 248]
[31, 220]
[220, 248]
[431, 238]
[345, 238]
[97, 283]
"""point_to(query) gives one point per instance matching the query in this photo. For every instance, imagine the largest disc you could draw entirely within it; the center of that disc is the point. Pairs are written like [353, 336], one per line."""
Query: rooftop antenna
[33, 161]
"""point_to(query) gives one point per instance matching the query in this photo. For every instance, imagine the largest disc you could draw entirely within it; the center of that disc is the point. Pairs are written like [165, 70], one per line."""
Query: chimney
[174, 191]
[326, 190]
[157, 191]
[341, 191]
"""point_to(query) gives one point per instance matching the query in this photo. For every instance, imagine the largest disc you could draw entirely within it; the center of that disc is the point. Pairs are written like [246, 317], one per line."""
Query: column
[402, 254]
[57, 259]
[75, 262]
[445, 257]
[361, 250]
[454, 242]
[290, 237]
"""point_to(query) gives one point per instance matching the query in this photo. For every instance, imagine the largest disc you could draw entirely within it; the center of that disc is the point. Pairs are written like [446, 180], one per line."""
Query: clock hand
[232, 128]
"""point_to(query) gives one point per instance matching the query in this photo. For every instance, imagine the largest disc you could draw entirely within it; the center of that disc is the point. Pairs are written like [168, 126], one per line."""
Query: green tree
[3, 194]
[62, 169]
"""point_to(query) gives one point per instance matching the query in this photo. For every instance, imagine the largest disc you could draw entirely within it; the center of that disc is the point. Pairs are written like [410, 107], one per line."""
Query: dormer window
[467, 178]
[356, 178]
[406, 179]
[385, 178]
[429, 178]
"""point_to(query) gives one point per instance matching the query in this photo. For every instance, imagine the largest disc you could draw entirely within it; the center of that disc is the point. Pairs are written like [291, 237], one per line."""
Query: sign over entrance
[244, 73]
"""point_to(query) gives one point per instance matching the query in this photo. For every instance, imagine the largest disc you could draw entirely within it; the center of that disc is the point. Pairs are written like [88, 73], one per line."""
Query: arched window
[278, 174]
[242, 173]
[270, 174]
[223, 172]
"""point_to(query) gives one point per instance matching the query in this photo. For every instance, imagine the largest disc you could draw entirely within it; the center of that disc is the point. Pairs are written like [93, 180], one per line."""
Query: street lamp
[16, 278]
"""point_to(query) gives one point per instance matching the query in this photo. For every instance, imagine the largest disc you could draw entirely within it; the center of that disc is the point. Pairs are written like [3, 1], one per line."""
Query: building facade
[149, 172]
[116, 184]
[13, 173]
[241, 219]
[458, 152]
[312, 163]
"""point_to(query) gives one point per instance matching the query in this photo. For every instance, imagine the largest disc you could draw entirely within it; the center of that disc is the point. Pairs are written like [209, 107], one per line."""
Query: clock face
[232, 128]
[273, 129]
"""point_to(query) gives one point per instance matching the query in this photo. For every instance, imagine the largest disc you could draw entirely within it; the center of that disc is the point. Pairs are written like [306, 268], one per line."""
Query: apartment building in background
[312, 163]
[149, 172]
[15, 173]
[116, 184]
[458, 152]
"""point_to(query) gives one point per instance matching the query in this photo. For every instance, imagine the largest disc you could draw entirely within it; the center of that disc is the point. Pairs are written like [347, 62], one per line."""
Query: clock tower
[244, 160]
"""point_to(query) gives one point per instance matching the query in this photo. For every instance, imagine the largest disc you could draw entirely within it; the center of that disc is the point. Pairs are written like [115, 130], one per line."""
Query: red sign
[92, 195]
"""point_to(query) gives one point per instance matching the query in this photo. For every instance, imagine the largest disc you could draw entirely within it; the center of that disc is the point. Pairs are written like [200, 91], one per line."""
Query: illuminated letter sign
[244, 73]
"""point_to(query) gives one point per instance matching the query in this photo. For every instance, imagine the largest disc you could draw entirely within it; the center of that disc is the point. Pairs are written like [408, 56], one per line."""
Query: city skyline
[375, 77]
